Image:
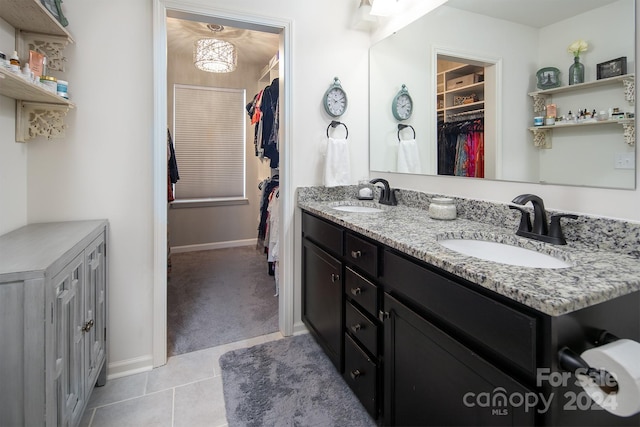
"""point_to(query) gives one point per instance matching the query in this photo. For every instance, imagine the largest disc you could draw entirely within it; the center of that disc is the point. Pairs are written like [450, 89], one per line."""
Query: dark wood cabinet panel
[432, 380]
[322, 299]
[507, 333]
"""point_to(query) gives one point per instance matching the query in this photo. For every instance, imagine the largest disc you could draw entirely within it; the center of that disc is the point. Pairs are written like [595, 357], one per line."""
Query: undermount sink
[504, 253]
[355, 208]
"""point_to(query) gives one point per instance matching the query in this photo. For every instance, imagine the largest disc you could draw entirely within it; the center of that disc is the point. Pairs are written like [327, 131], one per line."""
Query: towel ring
[334, 124]
[402, 126]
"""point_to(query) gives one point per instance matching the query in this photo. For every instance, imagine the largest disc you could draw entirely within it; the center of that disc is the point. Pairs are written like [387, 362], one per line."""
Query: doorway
[163, 10]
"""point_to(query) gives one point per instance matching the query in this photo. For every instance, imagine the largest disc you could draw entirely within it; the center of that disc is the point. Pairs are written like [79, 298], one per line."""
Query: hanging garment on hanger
[270, 97]
[172, 167]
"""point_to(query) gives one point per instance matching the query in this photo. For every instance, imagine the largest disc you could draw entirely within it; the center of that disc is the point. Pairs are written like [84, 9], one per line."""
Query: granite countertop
[595, 276]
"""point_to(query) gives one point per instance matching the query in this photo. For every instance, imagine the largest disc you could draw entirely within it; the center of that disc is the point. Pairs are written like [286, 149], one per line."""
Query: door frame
[286, 256]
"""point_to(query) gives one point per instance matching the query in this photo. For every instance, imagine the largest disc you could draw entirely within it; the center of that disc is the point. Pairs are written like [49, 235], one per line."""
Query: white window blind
[209, 139]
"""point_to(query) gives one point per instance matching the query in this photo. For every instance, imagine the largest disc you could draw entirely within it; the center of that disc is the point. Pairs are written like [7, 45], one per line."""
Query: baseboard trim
[299, 328]
[129, 367]
[214, 245]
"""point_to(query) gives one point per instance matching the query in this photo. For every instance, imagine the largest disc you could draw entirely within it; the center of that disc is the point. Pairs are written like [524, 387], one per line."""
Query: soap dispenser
[365, 190]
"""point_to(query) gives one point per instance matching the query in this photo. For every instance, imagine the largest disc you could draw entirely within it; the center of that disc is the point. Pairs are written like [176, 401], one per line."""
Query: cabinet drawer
[361, 374]
[361, 291]
[362, 328]
[499, 329]
[323, 233]
[362, 253]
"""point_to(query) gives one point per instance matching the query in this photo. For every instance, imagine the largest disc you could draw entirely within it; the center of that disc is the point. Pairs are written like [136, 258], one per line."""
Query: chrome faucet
[540, 230]
[387, 194]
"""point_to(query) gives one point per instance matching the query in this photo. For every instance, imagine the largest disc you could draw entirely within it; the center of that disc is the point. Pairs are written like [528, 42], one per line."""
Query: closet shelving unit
[38, 111]
[542, 134]
[271, 70]
[446, 96]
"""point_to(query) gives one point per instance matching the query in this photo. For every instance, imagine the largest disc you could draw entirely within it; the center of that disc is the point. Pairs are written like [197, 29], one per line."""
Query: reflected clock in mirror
[402, 104]
[511, 51]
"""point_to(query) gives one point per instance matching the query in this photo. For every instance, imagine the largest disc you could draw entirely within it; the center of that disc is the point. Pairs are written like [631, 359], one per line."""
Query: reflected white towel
[408, 156]
[337, 166]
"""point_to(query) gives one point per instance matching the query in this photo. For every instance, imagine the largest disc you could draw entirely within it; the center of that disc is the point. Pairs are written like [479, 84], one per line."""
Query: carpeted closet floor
[219, 296]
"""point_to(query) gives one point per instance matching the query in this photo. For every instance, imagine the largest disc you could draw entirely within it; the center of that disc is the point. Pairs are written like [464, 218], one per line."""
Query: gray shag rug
[219, 296]
[288, 382]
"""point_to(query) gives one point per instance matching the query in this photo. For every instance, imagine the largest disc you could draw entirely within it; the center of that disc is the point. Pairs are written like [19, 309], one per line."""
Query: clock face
[403, 107]
[336, 101]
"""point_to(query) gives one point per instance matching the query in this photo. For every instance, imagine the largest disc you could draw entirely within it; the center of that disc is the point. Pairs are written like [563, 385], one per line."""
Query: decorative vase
[576, 71]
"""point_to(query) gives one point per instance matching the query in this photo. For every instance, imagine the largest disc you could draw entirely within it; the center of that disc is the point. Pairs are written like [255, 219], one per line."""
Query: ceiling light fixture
[214, 55]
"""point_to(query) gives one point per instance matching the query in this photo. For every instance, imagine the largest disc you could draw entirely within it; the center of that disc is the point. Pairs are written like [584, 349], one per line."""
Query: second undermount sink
[504, 253]
[355, 208]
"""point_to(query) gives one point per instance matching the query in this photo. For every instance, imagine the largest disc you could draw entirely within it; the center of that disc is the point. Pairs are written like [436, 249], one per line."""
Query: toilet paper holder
[570, 361]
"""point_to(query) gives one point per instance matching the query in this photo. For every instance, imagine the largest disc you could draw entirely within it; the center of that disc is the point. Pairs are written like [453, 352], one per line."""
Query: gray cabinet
[53, 284]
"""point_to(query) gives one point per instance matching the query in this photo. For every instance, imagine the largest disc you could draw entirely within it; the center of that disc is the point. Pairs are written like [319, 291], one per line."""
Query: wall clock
[402, 105]
[335, 99]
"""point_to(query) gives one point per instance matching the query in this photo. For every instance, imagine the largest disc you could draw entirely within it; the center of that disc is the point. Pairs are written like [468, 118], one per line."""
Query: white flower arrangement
[578, 47]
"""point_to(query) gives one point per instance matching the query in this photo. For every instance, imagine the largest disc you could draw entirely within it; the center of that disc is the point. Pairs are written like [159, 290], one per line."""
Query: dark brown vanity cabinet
[421, 346]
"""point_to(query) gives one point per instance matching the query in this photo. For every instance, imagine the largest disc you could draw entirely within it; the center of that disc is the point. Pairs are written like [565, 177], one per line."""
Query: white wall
[103, 168]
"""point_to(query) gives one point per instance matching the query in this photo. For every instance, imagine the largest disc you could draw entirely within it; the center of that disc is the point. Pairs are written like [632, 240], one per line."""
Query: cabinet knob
[356, 327]
[335, 277]
[356, 291]
[356, 254]
[87, 326]
[355, 374]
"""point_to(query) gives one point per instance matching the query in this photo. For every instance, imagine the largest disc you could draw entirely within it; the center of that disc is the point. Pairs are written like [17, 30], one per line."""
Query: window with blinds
[209, 139]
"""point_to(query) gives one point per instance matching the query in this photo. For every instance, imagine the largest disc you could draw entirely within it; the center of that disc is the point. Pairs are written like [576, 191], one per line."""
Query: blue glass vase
[576, 72]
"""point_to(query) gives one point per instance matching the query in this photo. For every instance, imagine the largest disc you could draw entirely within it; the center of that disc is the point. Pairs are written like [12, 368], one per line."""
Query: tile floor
[187, 391]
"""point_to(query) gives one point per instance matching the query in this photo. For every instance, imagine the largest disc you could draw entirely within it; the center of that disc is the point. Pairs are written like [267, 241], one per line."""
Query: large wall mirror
[470, 68]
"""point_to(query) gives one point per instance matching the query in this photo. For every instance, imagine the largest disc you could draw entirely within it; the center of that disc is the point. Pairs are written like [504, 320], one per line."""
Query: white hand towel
[337, 165]
[408, 156]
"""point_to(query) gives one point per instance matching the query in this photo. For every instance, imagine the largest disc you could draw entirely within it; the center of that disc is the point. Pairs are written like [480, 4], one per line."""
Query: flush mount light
[215, 55]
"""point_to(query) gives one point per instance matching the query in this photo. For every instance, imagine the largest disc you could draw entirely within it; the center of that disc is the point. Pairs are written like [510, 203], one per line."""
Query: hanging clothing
[461, 148]
[264, 112]
[267, 186]
[172, 167]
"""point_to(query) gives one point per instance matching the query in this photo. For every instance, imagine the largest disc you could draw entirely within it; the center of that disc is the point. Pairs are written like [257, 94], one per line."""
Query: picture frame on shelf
[548, 78]
[55, 8]
[612, 68]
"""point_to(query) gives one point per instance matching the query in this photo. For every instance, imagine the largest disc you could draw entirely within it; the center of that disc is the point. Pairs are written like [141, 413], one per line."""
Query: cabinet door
[67, 324]
[322, 299]
[432, 380]
[94, 311]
